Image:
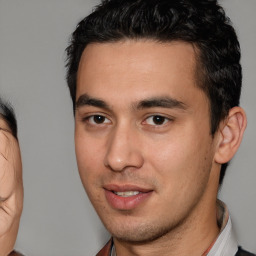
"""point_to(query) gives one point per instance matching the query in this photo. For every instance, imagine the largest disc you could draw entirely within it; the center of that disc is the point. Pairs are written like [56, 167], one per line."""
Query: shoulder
[242, 252]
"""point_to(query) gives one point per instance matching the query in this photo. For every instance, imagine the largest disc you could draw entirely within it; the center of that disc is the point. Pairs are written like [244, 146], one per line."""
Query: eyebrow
[164, 102]
[86, 100]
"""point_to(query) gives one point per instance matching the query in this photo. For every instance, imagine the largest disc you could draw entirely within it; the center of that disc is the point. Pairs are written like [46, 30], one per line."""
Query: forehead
[138, 67]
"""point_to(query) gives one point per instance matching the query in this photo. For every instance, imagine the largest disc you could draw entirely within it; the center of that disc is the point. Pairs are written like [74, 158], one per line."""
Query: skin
[126, 136]
[11, 189]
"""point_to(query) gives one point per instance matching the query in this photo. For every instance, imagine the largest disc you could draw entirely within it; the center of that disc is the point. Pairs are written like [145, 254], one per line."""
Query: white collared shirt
[226, 243]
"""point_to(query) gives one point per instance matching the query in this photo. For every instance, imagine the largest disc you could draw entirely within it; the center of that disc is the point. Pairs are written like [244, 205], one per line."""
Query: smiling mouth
[126, 193]
[126, 197]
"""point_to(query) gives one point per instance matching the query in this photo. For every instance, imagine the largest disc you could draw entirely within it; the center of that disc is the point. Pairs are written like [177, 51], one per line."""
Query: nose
[123, 150]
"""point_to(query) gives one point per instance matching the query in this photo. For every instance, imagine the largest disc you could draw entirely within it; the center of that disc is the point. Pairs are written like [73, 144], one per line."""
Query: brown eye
[157, 120]
[98, 119]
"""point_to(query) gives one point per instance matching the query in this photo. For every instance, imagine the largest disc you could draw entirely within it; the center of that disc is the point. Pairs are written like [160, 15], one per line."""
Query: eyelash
[156, 120]
[92, 117]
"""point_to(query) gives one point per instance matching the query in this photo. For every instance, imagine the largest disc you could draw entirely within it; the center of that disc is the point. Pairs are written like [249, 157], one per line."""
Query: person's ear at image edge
[230, 134]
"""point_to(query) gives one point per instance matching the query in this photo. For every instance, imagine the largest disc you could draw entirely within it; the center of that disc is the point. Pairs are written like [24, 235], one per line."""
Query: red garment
[106, 250]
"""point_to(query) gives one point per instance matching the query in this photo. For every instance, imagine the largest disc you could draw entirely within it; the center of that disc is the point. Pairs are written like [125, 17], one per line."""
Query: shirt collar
[226, 243]
[113, 251]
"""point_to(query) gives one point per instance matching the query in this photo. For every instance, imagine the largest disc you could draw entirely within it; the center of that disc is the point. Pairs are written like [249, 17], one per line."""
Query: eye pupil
[99, 119]
[158, 120]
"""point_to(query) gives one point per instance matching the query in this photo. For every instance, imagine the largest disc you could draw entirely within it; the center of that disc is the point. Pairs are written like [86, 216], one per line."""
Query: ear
[231, 133]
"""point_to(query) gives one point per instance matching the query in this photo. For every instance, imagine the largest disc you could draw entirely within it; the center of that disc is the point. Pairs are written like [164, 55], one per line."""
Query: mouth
[126, 193]
[126, 197]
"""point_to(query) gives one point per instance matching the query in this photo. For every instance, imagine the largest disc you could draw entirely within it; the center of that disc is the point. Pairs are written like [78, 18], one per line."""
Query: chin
[142, 233]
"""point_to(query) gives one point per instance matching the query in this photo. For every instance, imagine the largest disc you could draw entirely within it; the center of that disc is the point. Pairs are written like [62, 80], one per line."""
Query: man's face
[143, 144]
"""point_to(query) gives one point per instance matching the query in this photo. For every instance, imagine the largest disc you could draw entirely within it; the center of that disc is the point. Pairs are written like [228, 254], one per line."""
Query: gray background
[58, 218]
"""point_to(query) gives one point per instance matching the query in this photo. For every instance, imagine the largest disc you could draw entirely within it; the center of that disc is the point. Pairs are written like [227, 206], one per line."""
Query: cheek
[182, 171]
[89, 159]
[179, 159]
[90, 167]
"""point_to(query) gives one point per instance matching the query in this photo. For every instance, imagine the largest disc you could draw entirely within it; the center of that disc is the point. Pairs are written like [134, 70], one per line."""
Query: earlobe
[231, 134]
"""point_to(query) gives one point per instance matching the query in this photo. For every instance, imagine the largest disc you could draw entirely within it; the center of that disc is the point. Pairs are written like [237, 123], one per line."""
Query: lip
[126, 203]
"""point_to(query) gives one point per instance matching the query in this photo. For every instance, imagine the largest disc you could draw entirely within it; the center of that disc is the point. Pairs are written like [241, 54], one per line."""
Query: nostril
[123, 150]
[115, 163]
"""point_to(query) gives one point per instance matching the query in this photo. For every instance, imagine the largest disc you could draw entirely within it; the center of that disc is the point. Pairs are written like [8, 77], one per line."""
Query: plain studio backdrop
[58, 218]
